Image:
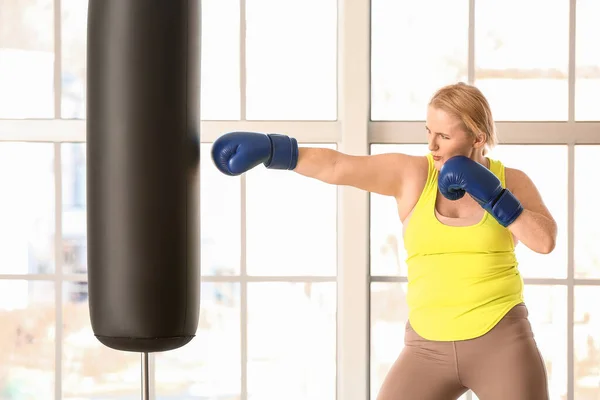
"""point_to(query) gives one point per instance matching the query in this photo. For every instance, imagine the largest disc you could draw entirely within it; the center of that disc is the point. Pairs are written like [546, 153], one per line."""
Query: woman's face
[446, 138]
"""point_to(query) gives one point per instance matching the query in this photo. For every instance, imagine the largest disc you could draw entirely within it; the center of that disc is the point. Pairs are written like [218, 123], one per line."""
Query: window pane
[291, 50]
[547, 314]
[586, 340]
[587, 231]
[291, 224]
[26, 59]
[523, 70]
[387, 246]
[547, 307]
[91, 370]
[26, 208]
[209, 366]
[414, 51]
[220, 219]
[587, 62]
[548, 171]
[388, 256]
[74, 224]
[27, 321]
[220, 65]
[389, 314]
[220, 241]
[74, 45]
[292, 341]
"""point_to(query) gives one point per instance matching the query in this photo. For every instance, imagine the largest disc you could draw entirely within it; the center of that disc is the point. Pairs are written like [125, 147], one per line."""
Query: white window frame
[353, 132]
[569, 133]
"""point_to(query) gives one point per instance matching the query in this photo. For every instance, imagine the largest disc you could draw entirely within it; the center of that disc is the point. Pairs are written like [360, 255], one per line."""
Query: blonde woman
[463, 213]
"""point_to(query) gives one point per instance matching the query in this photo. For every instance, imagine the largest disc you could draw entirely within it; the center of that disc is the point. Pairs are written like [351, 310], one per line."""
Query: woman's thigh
[505, 363]
[424, 370]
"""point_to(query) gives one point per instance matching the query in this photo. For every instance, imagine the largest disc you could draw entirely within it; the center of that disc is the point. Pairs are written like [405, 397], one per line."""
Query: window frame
[354, 133]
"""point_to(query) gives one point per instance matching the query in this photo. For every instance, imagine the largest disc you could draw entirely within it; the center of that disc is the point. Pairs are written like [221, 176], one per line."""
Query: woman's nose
[432, 145]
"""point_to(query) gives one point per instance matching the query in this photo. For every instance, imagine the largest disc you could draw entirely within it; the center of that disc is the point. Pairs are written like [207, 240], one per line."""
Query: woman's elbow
[547, 248]
[548, 245]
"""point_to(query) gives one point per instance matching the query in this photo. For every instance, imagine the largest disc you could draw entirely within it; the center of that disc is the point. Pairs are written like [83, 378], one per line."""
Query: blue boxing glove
[460, 175]
[237, 152]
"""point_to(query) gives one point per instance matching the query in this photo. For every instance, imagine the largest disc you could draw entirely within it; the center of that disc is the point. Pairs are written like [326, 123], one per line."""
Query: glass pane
[523, 71]
[91, 370]
[389, 314]
[74, 224]
[547, 307]
[586, 341]
[587, 231]
[414, 52]
[27, 321]
[220, 65]
[209, 366]
[388, 256]
[291, 50]
[221, 220]
[548, 171]
[26, 59]
[387, 247]
[220, 241]
[74, 45]
[291, 224]
[587, 61]
[292, 341]
[547, 314]
[26, 208]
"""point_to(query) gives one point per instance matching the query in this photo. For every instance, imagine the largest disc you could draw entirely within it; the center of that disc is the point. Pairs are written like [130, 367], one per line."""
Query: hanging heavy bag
[143, 127]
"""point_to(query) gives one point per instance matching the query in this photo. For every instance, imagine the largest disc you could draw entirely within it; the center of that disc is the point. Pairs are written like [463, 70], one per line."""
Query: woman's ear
[480, 140]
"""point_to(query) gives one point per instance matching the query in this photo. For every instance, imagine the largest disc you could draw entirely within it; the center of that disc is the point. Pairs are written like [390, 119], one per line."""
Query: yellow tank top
[461, 280]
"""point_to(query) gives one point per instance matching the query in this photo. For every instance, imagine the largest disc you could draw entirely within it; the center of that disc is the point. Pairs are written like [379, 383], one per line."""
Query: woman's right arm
[382, 173]
[237, 152]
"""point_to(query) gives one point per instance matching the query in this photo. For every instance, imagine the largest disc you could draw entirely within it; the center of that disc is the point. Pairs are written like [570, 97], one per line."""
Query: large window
[540, 83]
[545, 297]
[27, 59]
[303, 284]
[523, 71]
[268, 240]
[268, 295]
[413, 52]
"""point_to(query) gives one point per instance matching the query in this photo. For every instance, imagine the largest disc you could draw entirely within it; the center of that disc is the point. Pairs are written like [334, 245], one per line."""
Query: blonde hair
[469, 105]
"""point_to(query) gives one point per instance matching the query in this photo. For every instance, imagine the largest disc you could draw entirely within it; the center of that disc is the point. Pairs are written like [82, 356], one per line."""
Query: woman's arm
[535, 227]
[383, 173]
[237, 152]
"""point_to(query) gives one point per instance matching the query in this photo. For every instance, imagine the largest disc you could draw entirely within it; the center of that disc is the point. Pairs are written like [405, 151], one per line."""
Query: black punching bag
[143, 135]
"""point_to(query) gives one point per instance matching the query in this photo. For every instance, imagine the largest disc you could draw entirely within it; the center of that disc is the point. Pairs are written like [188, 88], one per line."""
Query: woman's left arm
[535, 227]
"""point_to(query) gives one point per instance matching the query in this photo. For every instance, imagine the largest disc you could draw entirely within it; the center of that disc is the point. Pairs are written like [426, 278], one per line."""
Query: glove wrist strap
[506, 209]
[284, 152]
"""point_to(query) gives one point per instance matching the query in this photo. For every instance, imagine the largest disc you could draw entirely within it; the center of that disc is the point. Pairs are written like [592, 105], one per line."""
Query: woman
[468, 325]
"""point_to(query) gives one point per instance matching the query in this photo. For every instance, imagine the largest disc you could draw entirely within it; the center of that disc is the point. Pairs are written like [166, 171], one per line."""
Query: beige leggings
[503, 364]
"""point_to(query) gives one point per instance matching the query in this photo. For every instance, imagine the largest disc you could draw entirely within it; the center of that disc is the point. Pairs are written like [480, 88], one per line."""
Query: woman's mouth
[437, 158]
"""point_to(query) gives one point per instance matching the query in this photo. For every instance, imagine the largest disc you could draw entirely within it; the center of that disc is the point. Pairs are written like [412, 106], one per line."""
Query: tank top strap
[497, 169]
[431, 186]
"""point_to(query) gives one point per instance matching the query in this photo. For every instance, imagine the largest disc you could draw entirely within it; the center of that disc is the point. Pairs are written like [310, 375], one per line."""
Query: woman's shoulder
[516, 179]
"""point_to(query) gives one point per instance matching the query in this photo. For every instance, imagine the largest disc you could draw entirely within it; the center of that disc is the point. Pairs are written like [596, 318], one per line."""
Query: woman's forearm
[317, 163]
[536, 231]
